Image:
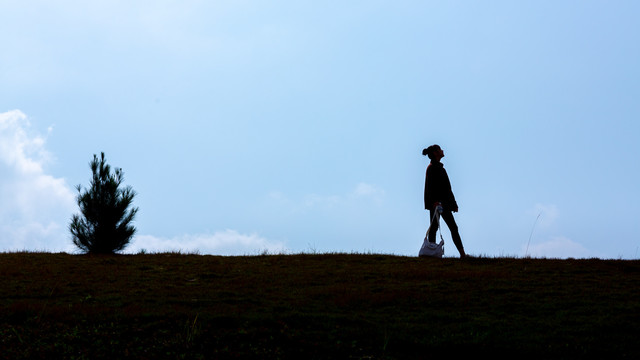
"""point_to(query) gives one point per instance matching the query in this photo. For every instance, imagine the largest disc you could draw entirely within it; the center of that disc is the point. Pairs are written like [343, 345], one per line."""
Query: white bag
[432, 249]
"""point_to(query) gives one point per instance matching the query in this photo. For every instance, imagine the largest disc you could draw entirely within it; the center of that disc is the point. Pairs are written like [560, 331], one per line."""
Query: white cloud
[548, 215]
[362, 192]
[558, 247]
[329, 201]
[35, 206]
[545, 242]
[228, 242]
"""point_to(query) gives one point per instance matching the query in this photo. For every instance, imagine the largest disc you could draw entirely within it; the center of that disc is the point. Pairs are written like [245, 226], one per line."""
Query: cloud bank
[228, 242]
[545, 241]
[35, 206]
[363, 192]
[558, 247]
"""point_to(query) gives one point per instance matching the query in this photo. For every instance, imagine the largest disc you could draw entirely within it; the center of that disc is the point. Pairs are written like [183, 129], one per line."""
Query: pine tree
[104, 227]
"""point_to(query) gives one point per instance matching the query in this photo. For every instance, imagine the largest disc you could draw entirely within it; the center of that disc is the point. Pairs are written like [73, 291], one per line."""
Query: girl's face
[438, 153]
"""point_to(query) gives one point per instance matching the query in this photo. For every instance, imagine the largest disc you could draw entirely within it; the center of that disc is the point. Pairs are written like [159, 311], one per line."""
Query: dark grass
[315, 307]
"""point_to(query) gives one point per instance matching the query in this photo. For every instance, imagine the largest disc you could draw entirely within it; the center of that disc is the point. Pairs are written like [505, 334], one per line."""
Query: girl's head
[433, 152]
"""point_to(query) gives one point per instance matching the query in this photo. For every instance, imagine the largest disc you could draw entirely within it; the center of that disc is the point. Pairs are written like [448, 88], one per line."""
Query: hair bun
[425, 152]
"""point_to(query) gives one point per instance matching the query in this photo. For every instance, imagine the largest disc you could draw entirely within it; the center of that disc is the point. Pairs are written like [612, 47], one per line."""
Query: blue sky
[294, 126]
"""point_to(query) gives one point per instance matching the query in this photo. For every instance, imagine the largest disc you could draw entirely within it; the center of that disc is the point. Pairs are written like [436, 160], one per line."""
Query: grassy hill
[315, 307]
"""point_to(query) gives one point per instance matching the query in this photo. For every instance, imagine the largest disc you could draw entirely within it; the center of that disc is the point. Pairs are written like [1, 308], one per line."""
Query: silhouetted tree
[104, 227]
